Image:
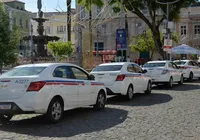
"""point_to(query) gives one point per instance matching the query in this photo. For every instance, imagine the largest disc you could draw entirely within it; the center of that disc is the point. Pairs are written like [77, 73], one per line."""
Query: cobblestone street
[164, 115]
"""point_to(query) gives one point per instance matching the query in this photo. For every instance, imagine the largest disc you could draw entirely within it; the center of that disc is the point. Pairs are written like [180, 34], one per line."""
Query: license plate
[5, 107]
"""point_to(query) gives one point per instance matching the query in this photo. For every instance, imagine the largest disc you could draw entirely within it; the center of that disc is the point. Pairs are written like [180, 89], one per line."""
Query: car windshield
[24, 71]
[179, 62]
[152, 65]
[108, 68]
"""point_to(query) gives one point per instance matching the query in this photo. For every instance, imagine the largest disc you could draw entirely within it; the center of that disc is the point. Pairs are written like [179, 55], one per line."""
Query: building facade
[104, 25]
[188, 26]
[21, 18]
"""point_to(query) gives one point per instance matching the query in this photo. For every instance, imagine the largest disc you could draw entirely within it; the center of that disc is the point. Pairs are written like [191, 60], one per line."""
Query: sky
[47, 5]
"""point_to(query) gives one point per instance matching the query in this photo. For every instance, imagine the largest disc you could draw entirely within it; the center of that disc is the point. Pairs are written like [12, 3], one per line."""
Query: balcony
[61, 32]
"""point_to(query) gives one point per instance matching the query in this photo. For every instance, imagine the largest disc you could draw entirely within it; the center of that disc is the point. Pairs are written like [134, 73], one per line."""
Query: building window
[47, 29]
[61, 28]
[99, 46]
[196, 29]
[20, 23]
[14, 21]
[183, 30]
[83, 12]
[26, 23]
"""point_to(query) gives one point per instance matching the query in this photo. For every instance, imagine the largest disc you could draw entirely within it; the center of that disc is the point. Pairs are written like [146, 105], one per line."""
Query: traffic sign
[168, 42]
[121, 43]
[167, 45]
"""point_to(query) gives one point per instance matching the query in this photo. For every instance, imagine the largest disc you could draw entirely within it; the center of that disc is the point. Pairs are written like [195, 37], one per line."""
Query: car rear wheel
[130, 93]
[101, 101]
[55, 111]
[5, 118]
[190, 77]
[149, 87]
[181, 80]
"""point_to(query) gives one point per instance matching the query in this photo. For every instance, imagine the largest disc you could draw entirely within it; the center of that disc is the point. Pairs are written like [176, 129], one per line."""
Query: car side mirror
[91, 77]
[144, 71]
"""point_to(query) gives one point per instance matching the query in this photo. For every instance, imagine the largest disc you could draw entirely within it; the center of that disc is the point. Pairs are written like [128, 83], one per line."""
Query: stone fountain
[41, 40]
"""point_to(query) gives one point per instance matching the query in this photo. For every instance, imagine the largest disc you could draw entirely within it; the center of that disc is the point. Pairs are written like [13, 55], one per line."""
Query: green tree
[153, 21]
[9, 39]
[145, 43]
[61, 49]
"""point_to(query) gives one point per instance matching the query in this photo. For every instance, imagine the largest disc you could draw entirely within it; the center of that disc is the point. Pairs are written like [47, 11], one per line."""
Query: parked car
[190, 68]
[48, 89]
[123, 78]
[165, 72]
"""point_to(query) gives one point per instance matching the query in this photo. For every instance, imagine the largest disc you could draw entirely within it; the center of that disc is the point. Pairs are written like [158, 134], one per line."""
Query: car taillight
[165, 71]
[36, 86]
[120, 77]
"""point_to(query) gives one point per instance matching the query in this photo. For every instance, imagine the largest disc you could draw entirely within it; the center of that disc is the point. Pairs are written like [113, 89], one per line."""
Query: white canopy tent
[185, 49]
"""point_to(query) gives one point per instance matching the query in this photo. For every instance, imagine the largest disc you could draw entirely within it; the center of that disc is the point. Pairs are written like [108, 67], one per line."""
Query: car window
[108, 68]
[180, 62]
[170, 65]
[152, 65]
[63, 72]
[175, 66]
[190, 63]
[137, 68]
[130, 68]
[79, 74]
[24, 71]
[195, 63]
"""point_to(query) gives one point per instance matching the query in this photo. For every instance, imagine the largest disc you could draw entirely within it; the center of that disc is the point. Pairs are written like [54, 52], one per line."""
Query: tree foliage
[61, 49]
[145, 43]
[155, 18]
[88, 3]
[9, 39]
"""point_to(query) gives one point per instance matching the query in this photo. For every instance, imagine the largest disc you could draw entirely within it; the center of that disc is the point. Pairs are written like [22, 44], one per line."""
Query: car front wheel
[101, 101]
[170, 83]
[181, 80]
[149, 87]
[129, 94]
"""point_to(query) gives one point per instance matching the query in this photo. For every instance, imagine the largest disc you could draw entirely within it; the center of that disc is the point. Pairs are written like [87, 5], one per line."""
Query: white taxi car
[124, 78]
[48, 89]
[164, 72]
[190, 68]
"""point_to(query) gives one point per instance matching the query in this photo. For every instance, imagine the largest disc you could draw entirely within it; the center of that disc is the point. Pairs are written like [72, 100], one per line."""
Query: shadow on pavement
[141, 100]
[194, 85]
[78, 121]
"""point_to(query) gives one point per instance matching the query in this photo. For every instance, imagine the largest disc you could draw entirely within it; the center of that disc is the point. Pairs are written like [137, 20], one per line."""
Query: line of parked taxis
[52, 88]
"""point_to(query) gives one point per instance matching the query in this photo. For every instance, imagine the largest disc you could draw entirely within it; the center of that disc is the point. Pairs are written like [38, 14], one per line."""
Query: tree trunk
[90, 37]
[158, 42]
[127, 35]
[1, 69]
[69, 20]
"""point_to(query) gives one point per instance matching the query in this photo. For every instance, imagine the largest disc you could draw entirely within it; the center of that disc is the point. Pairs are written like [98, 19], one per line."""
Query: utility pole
[121, 19]
[168, 32]
[31, 43]
[69, 20]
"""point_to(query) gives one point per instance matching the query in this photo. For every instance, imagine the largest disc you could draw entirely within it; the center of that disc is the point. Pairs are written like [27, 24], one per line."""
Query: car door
[141, 80]
[66, 85]
[196, 69]
[133, 77]
[177, 72]
[86, 93]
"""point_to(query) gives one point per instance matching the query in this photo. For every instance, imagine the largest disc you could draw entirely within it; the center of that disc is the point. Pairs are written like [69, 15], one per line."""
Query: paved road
[164, 115]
